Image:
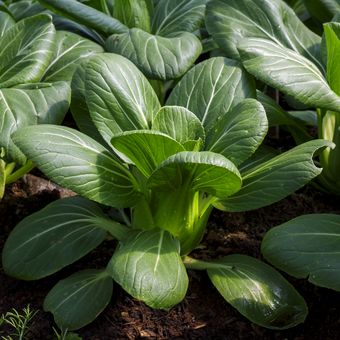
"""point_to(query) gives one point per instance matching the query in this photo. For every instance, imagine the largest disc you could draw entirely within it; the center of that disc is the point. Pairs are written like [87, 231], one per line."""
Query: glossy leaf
[30, 104]
[26, 50]
[77, 162]
[173, 16]
[133, 13]
[258, 292]
[240, 132]
[52, 238]
[77, 300]
[178, 123]
[231, 21]
[149, 267]
[146, 149]
[211, 89]
[69, 51]
[206, 172]
[85, 15]
[25, 9]
[6, 21]
[307, 247]
[118, 96]
[276, 178]
[332, 36]
[157, 57]
[323, 10]
[289, 72]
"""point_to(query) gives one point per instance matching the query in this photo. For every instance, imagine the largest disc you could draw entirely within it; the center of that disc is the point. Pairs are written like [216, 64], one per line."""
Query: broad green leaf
[118, 96]
[85, 15]
[323, 10]
[201, 171]
[211, 89]
[26, 50]
[230, 21]
[258, 292]
[30, 104]
[133, 13]
[79, 109]
[52, 238]
[178, 123]
[289, 72]
[6, 21]
[69, 51]
[173, 16]
[240, 132]
[149, 267]
[25, 8]
[77, 300]
[157, 57]
[146, 149]
[332, 35]
[307, 247]
[276, 178]
[77, 162]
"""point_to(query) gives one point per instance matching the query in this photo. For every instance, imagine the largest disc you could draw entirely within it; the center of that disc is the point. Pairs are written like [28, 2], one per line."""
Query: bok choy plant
[36, 67]
[163, 169]
[158, 38]
[280, 51]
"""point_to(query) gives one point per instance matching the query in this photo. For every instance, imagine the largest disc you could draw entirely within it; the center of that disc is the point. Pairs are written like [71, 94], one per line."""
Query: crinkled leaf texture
[77, 300]
[307, 247]
[149, 267]
[258, 292]
[79, 163]
[52, 238]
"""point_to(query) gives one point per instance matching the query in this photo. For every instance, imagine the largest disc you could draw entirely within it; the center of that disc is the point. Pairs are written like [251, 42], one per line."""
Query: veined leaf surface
[307, 247]
[258, 292]
[6, 21]
[149, 267]
[77, 300]
[77, 162]
[289, 72]
[157, 57]
[52, 238]
[26, 50]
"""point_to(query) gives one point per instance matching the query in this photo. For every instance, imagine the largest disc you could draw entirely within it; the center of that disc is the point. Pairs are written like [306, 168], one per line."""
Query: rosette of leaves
[163, 169]
[36, 66]
[280, 51]
[158, 38]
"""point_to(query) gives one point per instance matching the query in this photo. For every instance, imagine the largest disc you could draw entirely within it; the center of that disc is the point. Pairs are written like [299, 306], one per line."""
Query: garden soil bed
[203, 314]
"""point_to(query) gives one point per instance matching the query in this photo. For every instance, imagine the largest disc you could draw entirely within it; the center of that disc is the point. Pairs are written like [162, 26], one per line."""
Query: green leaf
[30, 104]
[2, 178]
[307, 247]
[77, 162]
[332, 35]
[6, 22]
[323, 10]
[146, 149]
[211, 89]
[149, 267]
[240, 132]
[25, 8]
[230, 21]
[178, 123]
[133, 13]
[289, 72]
[173, 16]
[205, 171]
[77, 300]
[277, 178]
[118, 96]
[85, 15]
[52, 238]
[26, 50]
[157, 57]
[258, 292]
[69, 51]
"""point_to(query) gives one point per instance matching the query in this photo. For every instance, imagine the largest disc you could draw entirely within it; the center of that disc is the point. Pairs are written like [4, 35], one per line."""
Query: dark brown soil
[203, 314]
